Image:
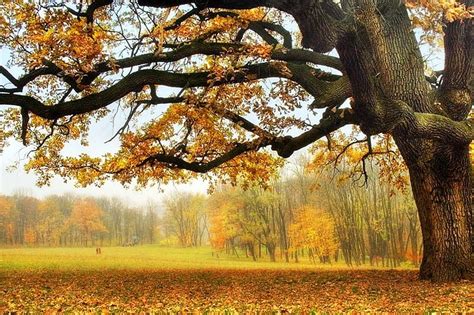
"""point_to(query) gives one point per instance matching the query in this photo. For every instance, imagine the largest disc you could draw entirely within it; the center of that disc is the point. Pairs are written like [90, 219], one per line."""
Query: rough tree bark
[440, 172]
[442, 188]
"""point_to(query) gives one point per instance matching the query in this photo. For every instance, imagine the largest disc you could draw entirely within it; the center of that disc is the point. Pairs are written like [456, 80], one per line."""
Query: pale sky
[18, 180]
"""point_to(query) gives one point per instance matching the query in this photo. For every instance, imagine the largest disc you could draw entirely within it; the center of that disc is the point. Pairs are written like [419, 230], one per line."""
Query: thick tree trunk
[385, 65]
[441, 184]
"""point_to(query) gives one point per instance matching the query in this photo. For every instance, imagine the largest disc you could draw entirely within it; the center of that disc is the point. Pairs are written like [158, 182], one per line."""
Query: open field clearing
[150, 278]
[139, 257]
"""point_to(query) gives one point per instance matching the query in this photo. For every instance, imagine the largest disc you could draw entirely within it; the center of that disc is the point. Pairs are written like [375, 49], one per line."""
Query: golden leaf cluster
[432, 16]
[56, 36]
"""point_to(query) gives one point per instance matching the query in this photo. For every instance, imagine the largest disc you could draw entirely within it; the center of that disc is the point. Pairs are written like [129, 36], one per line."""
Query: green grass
[139, 257]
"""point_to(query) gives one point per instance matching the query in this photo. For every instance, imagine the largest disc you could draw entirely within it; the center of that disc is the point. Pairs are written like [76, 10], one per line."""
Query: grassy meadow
[146, 257]
[183, 280]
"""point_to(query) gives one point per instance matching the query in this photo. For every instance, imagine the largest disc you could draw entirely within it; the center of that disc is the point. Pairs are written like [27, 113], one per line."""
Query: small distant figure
[98, 251]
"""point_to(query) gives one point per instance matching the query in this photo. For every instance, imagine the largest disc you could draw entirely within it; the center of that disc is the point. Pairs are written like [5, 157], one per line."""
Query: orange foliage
[30, 236]
[86, 218]
[223, 210]
[192, 130]
[432, 15]
[59, 37]
[230, 291]
[5, 206]
[313, 229]
[415, 258]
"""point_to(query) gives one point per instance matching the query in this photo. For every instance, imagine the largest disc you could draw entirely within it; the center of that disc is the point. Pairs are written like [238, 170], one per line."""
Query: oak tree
[241, 77]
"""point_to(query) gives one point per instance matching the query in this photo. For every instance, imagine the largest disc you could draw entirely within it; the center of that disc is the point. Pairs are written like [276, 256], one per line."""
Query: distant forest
[323, 217]
[70, 220]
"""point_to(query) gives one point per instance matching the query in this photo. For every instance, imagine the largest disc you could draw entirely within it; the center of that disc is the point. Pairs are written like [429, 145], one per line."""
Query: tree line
[69, 220]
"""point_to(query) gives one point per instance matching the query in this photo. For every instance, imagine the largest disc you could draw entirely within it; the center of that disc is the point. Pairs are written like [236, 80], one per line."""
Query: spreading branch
[284, 146]
[137, 80]
[181, 52]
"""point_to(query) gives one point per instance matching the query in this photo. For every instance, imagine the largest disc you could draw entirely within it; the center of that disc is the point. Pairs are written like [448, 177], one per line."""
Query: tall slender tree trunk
[251, 249]
[271, 251]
